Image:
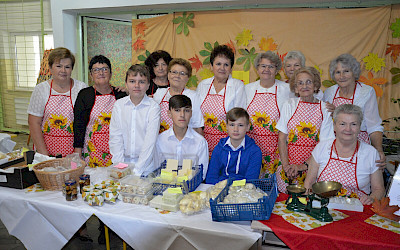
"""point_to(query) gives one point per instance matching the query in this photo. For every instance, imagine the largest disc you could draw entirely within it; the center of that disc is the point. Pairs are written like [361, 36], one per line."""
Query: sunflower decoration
[301, 178]
[260, 119]
[105, 118]
[292, 136]
[274, 166]
[283, 176]
[272, 127]
[46, 128]
[210, 120]
[342, 192]
[222, 126]
[58, 121]
[94, 162]
[306, 129]
[353, 195]
[96, 126]
[109, 163]
[163, 126]
[91, 147]
[70, 128]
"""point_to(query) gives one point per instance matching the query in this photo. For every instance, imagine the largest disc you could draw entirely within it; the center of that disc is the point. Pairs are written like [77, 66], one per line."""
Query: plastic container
[191, 184]
[117, 173]
[139, 199]
[136, 185]
[260, 210]
[157, 202]
[171, 198]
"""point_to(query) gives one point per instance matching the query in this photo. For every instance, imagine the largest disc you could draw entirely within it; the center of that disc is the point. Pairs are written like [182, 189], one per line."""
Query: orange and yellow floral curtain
[321, 34]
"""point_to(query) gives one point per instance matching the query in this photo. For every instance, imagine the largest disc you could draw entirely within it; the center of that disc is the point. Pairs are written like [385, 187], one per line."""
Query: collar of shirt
[242, 144]
[266, 90]
[171, 134]
[145, 101]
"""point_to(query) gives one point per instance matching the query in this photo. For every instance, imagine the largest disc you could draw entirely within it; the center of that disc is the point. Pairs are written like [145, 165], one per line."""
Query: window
[28, 55]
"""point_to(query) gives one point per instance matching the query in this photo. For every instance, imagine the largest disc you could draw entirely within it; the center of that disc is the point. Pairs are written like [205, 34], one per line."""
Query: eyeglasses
[265, 66]
[182, 73]
[97, 70]
[308, 83]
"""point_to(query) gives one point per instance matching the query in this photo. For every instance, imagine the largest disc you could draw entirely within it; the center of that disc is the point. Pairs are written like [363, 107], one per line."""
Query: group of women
[288, 118]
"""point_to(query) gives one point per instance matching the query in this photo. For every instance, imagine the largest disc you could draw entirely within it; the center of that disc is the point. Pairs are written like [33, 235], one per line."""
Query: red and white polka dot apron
[303, 127]
[344, 172]
[264, 114]
[96, 150]
[337, 101]
[213, 110]
[57, 124]
[165, 122]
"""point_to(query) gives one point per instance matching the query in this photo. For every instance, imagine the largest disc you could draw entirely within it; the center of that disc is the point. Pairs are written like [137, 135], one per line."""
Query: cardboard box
[21, 177]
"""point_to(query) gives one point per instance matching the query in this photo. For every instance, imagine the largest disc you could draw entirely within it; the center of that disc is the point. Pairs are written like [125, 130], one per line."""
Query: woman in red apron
[304, 121]
[347, 160]
[264, 111]
[219, 94]
[51, 109]
[93, 114]
[345, 71]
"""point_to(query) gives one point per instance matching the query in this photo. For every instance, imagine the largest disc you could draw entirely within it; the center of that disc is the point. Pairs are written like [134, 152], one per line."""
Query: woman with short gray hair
[345, 71]
[347, 160]
[265, 99]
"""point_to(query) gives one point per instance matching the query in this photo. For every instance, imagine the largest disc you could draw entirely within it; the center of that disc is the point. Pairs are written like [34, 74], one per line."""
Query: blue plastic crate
[192, 184]
[260, 210]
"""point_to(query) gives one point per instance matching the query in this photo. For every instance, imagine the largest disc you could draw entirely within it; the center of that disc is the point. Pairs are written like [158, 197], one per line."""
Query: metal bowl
[296, 189]
[326, 189]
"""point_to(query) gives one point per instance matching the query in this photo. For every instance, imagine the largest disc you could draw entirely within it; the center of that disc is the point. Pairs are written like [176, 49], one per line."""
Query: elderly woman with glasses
[219, 94]
[346, 159]
[303, 123]
[293, 61]
[93, 114]
[51, 108]
[265, 99]
[345, 71]
[179, 72]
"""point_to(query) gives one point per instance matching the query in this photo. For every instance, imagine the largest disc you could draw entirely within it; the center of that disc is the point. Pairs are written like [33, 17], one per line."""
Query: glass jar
[71, 190]
[84, 180]
[95, 198]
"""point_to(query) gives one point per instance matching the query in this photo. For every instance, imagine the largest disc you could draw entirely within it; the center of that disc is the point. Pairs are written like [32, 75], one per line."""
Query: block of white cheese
[172, 164]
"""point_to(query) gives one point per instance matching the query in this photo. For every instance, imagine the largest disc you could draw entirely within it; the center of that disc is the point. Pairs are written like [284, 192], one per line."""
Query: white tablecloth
[45, 220]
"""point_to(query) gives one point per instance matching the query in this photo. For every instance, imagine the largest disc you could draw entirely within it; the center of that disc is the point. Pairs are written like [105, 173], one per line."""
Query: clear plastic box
[138, 199]
[136, 185]
[117, 173]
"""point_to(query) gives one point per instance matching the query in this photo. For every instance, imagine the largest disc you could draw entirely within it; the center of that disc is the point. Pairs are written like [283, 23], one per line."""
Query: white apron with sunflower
[304, 127]
[344, 172]
[337, 101]
[57, 124]
[96, 150]
[165, 121]
[213, 110]
[264, 113]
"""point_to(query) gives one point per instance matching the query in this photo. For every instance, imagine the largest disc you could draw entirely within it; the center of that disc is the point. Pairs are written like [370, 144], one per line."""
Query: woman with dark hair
[93, 114]
[158, 62]
[219, 94]
[51, 108]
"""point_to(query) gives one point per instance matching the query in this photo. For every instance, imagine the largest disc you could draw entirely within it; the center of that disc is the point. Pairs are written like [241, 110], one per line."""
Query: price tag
[175, 190]
[239, 183]
[165, 174]
[182, 178]
[73, 165]
[121, 165]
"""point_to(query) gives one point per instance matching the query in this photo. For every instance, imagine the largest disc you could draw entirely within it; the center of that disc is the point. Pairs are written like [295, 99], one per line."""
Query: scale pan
[326, 189]
[295, 189]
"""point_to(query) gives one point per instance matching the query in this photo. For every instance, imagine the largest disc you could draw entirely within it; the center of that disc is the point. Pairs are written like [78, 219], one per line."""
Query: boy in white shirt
[135, 122]
[180, 141]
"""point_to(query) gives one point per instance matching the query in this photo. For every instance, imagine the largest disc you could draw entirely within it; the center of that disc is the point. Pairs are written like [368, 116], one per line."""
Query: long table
[45, 220]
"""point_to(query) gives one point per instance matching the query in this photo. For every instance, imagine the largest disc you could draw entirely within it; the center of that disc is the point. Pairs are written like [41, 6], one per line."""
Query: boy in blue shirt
[236, 156]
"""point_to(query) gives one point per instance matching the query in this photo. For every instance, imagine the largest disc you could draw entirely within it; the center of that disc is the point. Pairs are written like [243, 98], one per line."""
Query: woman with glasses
[93, 114]
[265, 98]
[158, 62]
[179, 72]
[51, 108]
[219, 94]
[303, 123]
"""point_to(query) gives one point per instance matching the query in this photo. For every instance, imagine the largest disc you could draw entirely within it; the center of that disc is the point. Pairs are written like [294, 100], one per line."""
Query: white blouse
[282, 94]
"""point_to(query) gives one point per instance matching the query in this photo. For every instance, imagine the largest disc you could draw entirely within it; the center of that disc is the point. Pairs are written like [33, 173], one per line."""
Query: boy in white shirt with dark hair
[180, 141]
[135, 122]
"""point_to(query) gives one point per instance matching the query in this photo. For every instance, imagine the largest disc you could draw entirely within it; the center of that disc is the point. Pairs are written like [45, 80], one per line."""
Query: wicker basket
[55, 180]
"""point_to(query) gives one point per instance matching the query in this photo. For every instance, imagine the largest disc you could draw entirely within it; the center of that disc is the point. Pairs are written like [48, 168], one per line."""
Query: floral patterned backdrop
[113, 40]
[369, 34]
